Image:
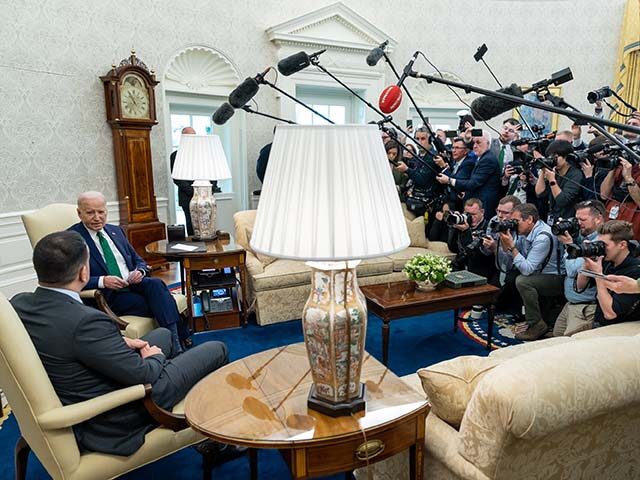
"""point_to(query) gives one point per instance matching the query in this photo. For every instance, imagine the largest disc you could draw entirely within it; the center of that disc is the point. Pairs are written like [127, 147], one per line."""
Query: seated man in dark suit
[85, 355]
[117, 268]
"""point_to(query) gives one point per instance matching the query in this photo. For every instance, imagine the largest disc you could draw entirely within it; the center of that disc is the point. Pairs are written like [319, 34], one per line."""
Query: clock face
[134, 97]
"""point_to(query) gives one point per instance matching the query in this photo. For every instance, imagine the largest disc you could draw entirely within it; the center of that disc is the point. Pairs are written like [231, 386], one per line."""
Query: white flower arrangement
[427, 267]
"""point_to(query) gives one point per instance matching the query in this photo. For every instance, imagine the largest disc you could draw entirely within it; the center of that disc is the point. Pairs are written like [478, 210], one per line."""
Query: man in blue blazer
[484, 182]
[460, 169]
[117, 269]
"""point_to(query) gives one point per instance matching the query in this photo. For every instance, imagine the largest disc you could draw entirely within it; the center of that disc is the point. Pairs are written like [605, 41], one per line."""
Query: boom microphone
[485, 108]
[376, 54]
[244, 92]
[296, 62]
[391, 97]
[223, 114]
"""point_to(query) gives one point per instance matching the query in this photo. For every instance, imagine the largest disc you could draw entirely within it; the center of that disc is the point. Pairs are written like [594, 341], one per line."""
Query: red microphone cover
[390, 99]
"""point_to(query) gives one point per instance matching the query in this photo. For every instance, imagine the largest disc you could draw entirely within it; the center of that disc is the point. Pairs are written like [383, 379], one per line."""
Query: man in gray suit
[85, 355]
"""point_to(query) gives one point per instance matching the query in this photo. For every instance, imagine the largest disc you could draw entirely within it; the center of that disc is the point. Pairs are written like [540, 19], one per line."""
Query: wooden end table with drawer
[261, 402]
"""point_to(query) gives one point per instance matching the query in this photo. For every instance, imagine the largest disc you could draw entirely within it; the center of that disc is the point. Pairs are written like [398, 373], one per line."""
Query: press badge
[613, 213]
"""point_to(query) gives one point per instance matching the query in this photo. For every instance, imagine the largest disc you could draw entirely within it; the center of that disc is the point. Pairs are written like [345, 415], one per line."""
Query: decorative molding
[201, 70]
[335, 26]
[16, 270]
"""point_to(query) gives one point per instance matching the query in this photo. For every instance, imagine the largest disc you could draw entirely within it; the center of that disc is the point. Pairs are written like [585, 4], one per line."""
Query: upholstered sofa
[277, 289]
[560, 408]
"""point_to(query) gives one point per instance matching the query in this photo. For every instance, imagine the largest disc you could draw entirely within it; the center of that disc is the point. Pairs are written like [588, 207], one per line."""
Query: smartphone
[476, 132]
[589, 273]
[409, 123]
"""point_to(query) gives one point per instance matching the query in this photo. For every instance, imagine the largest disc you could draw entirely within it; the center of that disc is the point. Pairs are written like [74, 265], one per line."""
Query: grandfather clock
[131, 112]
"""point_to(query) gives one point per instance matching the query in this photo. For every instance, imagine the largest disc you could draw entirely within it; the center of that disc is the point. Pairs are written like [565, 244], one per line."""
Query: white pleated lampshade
[200, 157]
[328, 195]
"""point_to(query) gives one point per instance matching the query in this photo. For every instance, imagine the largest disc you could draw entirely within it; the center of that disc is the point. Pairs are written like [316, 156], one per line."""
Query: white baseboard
[16, 270]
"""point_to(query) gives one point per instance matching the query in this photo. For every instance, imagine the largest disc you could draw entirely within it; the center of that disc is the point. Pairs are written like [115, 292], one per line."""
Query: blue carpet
[415, 342]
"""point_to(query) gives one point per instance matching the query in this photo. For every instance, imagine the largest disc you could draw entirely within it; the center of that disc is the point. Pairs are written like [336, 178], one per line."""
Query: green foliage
[427, 267]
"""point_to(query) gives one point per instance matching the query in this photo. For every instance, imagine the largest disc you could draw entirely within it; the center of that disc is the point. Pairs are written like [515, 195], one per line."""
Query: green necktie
[109, 257]
[501, 158]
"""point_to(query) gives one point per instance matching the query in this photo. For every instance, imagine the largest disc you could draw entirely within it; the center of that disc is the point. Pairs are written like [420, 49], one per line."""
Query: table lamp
[201, 158]
[329, 198]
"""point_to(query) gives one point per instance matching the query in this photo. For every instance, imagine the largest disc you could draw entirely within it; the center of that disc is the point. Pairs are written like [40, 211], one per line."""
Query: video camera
[568, 225]
[456, 218]
[500, 226]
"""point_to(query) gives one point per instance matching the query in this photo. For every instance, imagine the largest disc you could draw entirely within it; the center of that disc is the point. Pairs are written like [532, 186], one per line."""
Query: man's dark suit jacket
[484, 182]
[463, 173]
[85, 356]
[97, 266]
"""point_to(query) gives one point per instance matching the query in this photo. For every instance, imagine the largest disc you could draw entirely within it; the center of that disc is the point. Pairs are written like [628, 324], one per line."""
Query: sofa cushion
[264, 259]
[517, 350]
[291, 273]
[417, 236]
[626, 329]
[449, 385]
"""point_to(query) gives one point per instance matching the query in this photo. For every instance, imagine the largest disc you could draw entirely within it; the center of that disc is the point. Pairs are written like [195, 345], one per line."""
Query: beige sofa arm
[64, 417]
[88, 294]
[254, 266]
[441, 248]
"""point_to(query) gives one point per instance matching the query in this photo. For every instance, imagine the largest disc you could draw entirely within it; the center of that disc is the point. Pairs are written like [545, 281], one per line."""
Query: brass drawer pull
[369, 449]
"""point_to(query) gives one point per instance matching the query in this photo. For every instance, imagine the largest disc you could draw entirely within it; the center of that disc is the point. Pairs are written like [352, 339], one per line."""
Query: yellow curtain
[627, 78]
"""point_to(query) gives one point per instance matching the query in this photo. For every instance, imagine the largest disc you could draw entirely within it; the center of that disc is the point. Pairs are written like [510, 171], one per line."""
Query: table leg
[456, 315]
[182, 286]
[385, 341]
[243, 288]
[416, 460]
[492, 313]
[253, 463]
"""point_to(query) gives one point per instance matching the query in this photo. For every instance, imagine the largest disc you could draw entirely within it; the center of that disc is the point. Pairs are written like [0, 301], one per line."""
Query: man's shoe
[534, 332]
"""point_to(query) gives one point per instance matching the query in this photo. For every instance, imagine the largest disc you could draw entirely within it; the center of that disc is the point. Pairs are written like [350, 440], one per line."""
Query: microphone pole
[267, 82]
[479, 56]
[560, 102]
[248, 109]
[385, 118]
[523, 101]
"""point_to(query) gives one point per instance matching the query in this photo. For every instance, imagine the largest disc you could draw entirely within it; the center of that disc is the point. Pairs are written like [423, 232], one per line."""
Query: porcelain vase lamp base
[335, 337]
[203, 210]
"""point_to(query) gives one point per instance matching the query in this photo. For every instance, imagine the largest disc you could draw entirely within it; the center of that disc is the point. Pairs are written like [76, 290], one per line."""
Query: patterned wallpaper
[55, 141]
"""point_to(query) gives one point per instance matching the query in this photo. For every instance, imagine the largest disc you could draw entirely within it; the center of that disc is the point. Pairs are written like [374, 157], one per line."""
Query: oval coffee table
[261, 402]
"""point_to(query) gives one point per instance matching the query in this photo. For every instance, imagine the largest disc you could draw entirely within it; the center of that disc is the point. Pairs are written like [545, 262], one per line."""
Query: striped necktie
[109, 257]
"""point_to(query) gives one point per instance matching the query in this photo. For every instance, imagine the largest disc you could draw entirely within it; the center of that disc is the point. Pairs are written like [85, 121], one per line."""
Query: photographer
[501, 147]
[560, 186]
[465, 238]
[463, 161]
[620, 188]
[615, 236]
[595, 169]
[537, 259]
[577, 313]
[394, 155]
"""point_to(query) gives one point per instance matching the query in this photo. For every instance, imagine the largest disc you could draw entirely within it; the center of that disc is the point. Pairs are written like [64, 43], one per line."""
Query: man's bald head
[92, 210]
[188, 131]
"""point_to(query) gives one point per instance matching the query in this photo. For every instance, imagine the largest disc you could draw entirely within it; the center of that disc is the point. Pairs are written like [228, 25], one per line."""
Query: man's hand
[439, 216]
[401, 167]
[150, 350]
[463, 227]
[587, 168]
[439, 161]
[443, 179]
[626, 169]
[135, 277]
[508, 171]
[489, 243]
[593, 265]
[114, 283]
[135, 343]
[550, 175]
[565, 238]
[506, 240]
[622, 284]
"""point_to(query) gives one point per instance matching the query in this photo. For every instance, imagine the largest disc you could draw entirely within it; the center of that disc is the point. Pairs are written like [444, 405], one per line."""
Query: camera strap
[548, 257]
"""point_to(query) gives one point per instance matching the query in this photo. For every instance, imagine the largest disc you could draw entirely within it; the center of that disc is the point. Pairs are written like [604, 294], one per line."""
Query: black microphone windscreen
[293, 63]
[222, 114]
[243, 92]
[485, 108]
[374, 56]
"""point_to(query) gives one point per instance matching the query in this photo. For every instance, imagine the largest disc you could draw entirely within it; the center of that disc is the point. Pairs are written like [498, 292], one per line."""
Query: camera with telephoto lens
[544, 162]
[500, 226]
[568, 225]
[585, 249]
[456, 218]
[599, 94]
[521, 162]
[607, 163]
[476, 243]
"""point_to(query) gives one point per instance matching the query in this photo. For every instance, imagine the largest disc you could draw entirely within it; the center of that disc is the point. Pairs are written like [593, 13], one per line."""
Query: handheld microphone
[391, 97]
[376, 54]
[482, 49]
[485, 108]
[223, 113]
[296, 62]
[244, 92]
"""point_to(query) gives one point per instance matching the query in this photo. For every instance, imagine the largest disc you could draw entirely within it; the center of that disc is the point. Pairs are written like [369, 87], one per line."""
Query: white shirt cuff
[101, 282]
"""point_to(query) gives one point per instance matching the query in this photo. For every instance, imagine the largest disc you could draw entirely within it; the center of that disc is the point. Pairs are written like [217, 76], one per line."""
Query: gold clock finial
[133, 52]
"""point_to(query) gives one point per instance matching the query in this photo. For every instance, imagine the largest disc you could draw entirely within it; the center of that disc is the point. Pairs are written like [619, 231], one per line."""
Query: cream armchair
[45, 425]
[60, 216]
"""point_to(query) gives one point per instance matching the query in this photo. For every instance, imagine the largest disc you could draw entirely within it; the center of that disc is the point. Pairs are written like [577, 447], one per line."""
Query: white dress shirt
[122, 264]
